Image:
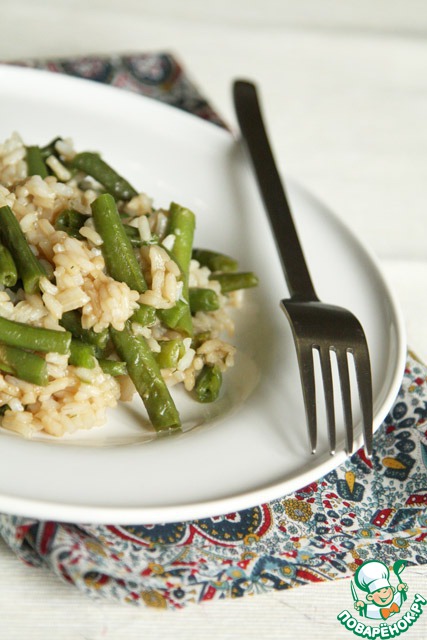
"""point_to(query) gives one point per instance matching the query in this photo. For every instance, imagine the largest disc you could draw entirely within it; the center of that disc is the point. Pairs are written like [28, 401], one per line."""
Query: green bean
[144, 315]
[70, 221]
[23, 365]
[50, 149]
[18, 334]
[82, 355]
[114, 184]
[203, 299]
[199, 339]
[181, 224]
[30, 270]
[170, 352]
[71, 321]
[133, 235]
[8, 272]
[145, 374]
[113, 367]
[234, 281]
[35, 163]
[208, 383]
[177, 317]
[18, 285]
[215, 261]
[116, 248]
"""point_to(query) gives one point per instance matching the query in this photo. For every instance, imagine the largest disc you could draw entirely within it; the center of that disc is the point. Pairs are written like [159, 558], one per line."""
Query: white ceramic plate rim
[59, 89]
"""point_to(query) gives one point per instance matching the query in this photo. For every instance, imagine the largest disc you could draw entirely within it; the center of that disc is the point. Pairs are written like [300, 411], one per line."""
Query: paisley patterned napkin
[365, 509]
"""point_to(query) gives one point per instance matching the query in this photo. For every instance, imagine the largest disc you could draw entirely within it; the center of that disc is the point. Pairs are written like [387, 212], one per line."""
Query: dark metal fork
[315, 325]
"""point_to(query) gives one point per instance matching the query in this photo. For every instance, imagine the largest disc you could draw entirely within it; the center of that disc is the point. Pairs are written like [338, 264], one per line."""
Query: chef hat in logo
[372, 575]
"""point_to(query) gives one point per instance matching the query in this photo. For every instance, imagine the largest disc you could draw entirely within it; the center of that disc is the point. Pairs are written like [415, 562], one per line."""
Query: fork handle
[272, 190]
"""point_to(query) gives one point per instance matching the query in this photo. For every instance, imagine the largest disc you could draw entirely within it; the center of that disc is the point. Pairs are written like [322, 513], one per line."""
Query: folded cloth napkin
[365, 509]
[158, 76]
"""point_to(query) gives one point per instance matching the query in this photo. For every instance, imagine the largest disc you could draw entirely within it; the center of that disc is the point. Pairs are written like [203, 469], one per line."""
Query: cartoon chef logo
[382, 600]
[384, 593]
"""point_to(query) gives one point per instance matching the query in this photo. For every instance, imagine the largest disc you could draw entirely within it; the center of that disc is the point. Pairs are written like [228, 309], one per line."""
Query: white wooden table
[345, 85]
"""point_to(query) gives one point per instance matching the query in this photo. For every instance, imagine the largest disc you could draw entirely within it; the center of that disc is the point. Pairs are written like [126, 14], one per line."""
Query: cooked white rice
[77, 398]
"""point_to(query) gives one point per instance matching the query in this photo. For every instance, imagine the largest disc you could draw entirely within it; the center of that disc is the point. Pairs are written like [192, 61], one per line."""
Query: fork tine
[325, 363]
[346, 397]
[306, 369]
[364, 383]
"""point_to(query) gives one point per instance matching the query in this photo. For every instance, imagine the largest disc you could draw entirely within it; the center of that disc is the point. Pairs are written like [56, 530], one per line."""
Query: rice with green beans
[76, 279]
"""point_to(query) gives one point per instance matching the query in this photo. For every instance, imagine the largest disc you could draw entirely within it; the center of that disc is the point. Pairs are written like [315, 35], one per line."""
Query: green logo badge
[382, 599]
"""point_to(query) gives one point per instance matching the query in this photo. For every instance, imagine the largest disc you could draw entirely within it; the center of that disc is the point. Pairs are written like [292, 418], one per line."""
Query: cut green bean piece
[145, 374]
[170, 353]
[71, 321]
[23, 365]
[208, 383]
[82, 355]
[181, 224]
[71, 222]
[8, 272]
[35, 163]
[200, 338]
[234, 281]
[113, 367]
[92, 164]
[215, 261]
[116, 248]
[24, 336]
[144, 315]
[18, 285]
[50, 149]
[133, 235]
[177, 317]
[203, 300]
[30, 270]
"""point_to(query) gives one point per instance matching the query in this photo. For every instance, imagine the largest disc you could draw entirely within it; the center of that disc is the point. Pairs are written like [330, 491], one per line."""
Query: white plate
[252, 445]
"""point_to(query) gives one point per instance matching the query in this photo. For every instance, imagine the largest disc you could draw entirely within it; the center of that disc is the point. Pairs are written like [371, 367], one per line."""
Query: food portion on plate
[102, 295]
